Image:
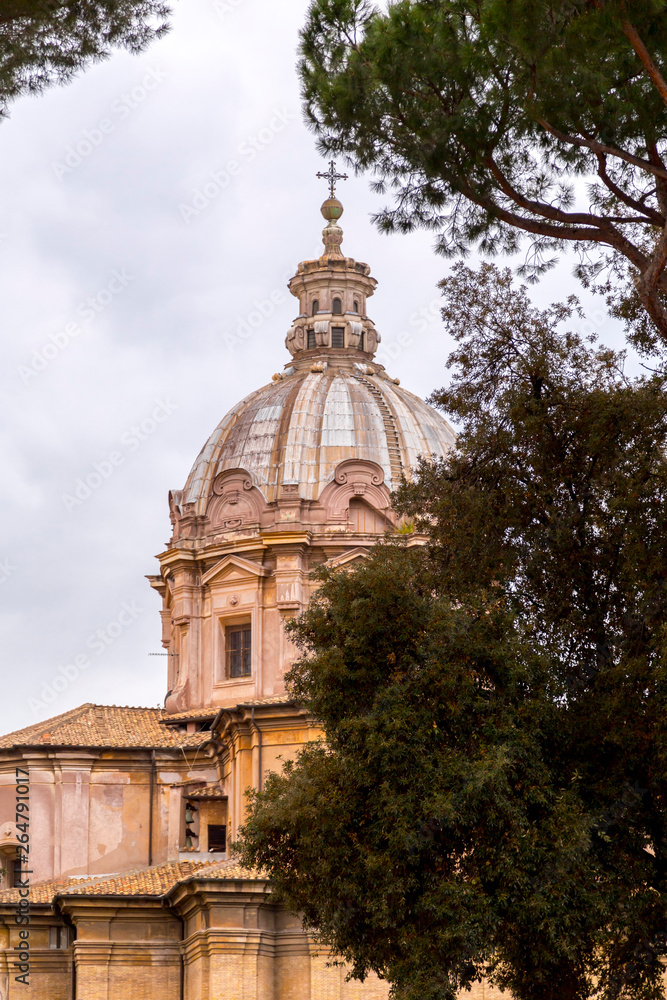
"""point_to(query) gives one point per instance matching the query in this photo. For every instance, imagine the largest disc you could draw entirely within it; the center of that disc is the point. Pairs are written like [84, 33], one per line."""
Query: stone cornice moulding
[296, 537]
[158, 583]
[197, 892]
[76, 758]
[175, 555]
[230, 548]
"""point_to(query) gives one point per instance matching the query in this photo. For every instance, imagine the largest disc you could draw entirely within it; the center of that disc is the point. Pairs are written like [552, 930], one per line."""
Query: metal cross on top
[332, 177]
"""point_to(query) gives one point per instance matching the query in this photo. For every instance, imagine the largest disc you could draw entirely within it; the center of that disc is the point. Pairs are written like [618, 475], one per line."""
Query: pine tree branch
[656, 76]
[541, 208]
[619, 193]
[559, 232]
[600, 147]
[661, 185]
[651, 278]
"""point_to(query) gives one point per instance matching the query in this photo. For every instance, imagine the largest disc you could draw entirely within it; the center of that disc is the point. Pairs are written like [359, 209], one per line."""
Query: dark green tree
[491, 794]
[495, 120]
[46, 42]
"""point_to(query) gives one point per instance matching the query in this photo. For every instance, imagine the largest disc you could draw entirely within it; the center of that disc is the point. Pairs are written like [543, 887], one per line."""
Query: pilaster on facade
[255, 739]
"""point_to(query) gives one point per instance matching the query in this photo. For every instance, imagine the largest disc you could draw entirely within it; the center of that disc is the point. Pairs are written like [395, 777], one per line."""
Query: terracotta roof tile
[155, 881]
[277, 699]
[191, 715]
[145, 882]
[224, 870]
[41, 892]
[103, 726]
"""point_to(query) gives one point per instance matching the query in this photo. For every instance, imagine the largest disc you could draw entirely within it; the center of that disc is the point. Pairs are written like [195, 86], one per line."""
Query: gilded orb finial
[332, 234]
[331, 209]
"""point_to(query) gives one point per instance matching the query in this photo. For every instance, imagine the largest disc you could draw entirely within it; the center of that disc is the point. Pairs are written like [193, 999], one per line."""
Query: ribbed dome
[300, 427]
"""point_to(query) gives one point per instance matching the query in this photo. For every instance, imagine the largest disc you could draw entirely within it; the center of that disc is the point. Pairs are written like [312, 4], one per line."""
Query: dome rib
[299, 428]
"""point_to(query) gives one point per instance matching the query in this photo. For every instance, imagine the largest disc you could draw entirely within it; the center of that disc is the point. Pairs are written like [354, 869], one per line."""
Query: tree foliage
[46, 42]
[490, 798]
[493, 120]
[561, 456]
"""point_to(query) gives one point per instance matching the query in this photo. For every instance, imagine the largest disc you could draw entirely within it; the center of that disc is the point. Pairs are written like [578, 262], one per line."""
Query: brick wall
[328, 983]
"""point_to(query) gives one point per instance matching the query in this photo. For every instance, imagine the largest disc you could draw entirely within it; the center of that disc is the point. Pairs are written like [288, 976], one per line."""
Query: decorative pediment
[359, 479]
[234, 567]
[347, 558]
[234, 501]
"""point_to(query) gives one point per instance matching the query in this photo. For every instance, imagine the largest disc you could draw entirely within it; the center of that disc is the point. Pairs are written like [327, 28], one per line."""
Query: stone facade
[132, 810]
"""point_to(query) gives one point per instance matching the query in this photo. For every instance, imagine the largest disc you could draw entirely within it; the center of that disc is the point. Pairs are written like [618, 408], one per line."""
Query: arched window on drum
[366, 520]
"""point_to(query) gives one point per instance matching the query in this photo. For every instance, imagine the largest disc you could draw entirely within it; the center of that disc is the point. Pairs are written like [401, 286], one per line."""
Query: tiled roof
[103, 726]
[211, 712]
[190, 715]
[41, 892]
[155, 881]
[224, 870]
[277, 699]
[146, 882]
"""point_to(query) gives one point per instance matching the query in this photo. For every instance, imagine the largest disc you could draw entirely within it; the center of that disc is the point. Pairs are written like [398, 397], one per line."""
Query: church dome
[332, 403]
[299, 473]
[297, 429]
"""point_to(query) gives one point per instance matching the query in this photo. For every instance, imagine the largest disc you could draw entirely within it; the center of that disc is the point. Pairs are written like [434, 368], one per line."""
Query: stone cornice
[284, 537]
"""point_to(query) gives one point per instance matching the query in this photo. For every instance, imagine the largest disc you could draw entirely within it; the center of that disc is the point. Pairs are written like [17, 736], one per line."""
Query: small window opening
[15, 872]
[217, 838]
[338, 336]
[205, 726]
[337, 307]
[362, 341]
[355, 306]
[316, 306]
[311, 340]
[59, 937]
[237, 643]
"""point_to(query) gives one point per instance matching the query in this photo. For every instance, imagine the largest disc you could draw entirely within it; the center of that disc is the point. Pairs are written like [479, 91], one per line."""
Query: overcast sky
[133, 262]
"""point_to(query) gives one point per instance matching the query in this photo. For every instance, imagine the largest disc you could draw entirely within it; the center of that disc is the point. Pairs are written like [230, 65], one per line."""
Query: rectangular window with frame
[16, 870]
[217, 838]
[59, 937]
[238, 649]
[311, 340]
[338, 336]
